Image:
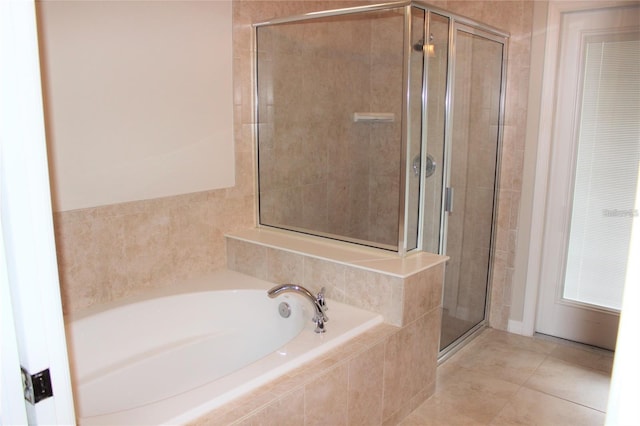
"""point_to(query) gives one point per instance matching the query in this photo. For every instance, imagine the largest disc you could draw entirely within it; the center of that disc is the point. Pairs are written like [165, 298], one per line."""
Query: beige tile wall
[106, 253]
[399, 299]
[320, 171]
[478, 69]
[345, 386]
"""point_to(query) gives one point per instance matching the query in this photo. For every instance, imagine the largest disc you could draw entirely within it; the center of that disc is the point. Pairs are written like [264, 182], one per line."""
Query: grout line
[582, 366]
[557, 396]
[546, 356]
[563, 399]
[507, 402]
[572, 344]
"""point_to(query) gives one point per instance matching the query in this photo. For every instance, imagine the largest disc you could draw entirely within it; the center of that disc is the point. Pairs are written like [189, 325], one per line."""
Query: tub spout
[318, 302]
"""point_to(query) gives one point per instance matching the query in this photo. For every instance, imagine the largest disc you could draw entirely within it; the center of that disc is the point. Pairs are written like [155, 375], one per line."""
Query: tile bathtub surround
[400, 289]
[375, 379]
[110, 252]
[384, 382]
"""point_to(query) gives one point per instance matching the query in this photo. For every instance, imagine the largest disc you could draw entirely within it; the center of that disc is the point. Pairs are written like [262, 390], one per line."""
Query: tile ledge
[367, 258]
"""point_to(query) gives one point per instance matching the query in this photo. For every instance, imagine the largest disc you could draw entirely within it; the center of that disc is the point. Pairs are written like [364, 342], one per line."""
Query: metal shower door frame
[491, 34]
[455, 22]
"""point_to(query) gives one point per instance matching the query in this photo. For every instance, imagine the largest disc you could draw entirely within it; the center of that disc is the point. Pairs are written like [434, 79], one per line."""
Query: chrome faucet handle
[320, 300]
[319, 324]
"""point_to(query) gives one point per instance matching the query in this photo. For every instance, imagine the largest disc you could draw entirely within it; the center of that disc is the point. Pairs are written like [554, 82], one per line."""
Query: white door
[593, 175]
[32, 326]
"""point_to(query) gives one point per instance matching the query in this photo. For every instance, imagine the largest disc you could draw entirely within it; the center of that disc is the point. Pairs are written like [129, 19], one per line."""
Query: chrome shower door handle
[448, 199]
[430, 168]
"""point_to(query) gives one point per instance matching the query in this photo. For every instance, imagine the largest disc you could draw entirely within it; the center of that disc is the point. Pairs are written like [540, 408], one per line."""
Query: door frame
[538, 152]
[33, 334]
[558, 316]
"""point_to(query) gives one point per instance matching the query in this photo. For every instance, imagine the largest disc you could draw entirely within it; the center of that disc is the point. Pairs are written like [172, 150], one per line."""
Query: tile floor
[505, 379]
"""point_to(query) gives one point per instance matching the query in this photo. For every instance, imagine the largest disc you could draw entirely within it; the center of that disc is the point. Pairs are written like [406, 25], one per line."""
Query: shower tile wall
[385, 144]
[320, 170]
[515, 17]
[480, 178]
[109, 252]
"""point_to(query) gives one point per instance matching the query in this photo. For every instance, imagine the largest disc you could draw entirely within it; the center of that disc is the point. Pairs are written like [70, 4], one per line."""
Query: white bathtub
[176, 356]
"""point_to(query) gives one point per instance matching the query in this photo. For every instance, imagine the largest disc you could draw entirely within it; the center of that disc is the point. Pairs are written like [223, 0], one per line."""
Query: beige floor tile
[483, 396]
[444, 374]
[523, 342]
[530, 407]
[598, 359]
[436, 412]
[572, 382]
[504, 379]
[500, 360]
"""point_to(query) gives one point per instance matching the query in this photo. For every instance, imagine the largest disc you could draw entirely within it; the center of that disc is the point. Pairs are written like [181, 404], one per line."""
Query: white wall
[139, 99]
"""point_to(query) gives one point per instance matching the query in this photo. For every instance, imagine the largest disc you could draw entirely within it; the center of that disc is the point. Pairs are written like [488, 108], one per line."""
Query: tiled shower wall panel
[320, 170]
[516, 18]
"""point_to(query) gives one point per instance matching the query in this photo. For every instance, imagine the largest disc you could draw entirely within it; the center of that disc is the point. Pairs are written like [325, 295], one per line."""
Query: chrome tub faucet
[318, 302]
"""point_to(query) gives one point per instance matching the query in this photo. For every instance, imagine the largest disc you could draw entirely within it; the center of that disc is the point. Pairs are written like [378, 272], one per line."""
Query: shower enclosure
[381, 125]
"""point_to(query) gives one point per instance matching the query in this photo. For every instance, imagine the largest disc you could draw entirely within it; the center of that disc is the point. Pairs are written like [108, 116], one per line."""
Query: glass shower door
[473, 156]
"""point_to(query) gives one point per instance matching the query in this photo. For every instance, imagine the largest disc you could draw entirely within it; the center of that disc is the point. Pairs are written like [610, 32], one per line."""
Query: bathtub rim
[224, 279]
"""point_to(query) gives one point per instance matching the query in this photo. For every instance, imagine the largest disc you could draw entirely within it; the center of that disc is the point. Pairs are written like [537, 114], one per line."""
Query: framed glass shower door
[473, 153]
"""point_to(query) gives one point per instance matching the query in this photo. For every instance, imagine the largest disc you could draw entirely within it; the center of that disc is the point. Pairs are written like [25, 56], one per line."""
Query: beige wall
[138, 99]
[109, 252]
